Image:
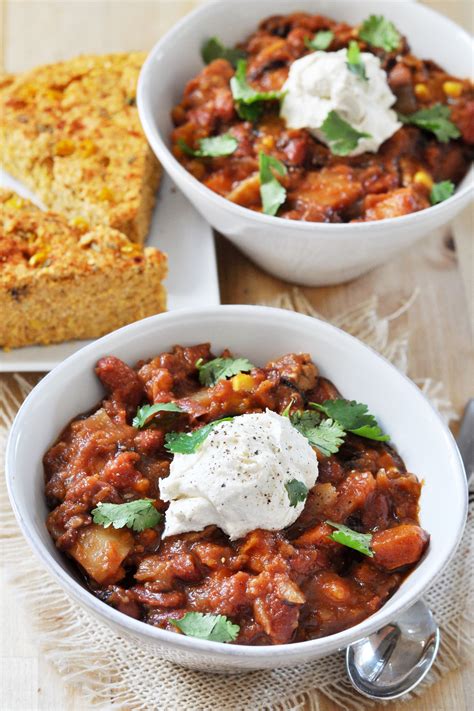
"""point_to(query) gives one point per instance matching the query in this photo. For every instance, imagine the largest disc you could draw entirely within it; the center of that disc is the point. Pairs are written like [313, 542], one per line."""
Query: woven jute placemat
[113, 674]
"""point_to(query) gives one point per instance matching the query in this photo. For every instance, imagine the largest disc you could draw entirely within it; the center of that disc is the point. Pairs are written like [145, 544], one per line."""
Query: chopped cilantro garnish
[188, 442]
[325, 435]
[320, 41]
[145, 412]
[248, 100]
[215, 628]
[341, 136]
[353, 417]
[441, 191]
[352, 539]
[380, 32]
[138, 515]
[272, 192]
[212, 147]
[214, 49]
[297, 491]
[435, 119]
[221, 368]
[354, 62]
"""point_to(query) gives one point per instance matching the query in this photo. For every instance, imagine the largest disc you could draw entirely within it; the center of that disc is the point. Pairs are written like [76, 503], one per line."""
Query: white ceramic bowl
[259, 333]
[302, 252]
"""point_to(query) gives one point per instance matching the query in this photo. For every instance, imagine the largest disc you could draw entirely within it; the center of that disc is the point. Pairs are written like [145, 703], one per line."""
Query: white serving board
[176, 229]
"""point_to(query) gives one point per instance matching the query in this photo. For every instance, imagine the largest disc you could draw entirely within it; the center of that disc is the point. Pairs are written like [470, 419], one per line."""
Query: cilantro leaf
[320, 41]
[221, 368]
[341, 136]
[248, 100]
[215, 628]
[354, 62]
[214, 49]
[353, 417]
[188, 442]
[145, 412]
[138, 515]
[352, 539]
[272, 192]
[380, 32]
[212, 147]
[441, 191]
[297, 491]
[435, 119]
[326, 435]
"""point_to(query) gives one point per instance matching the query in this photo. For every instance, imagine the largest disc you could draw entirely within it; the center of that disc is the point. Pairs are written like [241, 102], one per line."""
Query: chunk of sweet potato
[399, 546]
[101, 552]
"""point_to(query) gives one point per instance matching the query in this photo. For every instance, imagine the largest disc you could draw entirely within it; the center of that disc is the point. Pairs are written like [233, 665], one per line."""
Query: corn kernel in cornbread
[58, 282]
[71, 133]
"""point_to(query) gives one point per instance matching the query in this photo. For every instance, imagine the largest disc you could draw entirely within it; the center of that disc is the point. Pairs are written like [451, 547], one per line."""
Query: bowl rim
[309, 648]
[433, 213]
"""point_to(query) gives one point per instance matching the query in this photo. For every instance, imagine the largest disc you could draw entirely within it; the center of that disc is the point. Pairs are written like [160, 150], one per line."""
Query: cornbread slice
[71, 133]
[59, 283]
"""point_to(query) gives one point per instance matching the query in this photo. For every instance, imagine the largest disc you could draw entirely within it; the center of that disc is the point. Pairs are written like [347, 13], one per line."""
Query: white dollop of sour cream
[236, 479]
[321, 82]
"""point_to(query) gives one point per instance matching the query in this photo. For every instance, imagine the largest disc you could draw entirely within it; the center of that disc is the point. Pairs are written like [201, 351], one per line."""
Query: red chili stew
[320, 186]
[284, 586]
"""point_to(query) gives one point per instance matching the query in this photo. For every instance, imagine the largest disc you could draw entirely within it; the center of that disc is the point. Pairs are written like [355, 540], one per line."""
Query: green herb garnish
[249, 101]
[272, 192]
[212, 147]
[352, 539]
[138, 515]
[341, 136]
[221, 368]
[189, 442]
[354, 62]
[297, 491]
[214, 49]
[380, 32]
[441, 191]
[320, 41]
[353, 417]
[215, 628]
[435, 119]
[325, 435]
[146, 412]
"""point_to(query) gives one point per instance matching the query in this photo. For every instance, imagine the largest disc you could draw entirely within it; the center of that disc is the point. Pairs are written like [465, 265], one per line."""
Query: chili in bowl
[320, 534]
[321, 145]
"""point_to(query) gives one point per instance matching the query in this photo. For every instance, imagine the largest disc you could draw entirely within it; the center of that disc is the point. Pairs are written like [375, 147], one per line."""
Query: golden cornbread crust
[70, 131]
[59, 282]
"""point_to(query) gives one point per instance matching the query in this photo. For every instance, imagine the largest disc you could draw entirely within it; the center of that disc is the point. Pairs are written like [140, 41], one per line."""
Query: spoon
[396, 658]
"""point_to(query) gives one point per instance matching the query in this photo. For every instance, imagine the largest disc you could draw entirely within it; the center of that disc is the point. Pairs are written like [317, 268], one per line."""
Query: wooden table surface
[440, 322]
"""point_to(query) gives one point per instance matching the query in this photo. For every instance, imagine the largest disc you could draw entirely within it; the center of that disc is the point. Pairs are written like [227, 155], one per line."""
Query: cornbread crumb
[70, 131]
[59, 282]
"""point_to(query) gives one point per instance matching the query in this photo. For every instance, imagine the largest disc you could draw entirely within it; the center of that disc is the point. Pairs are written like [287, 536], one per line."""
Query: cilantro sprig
[352, 539]
[353, 417]
[325, 435]
[297, 491]
[435, 119]
[441, 191]
[189, 442]
[214, 49]
[272, 192]
[320, 41]
[212, 147]
[248, 101]
[215, 628]
[342, 137]
[137, 515]
[221, 368]
[380, 32]
[146, 412]
[354, 61]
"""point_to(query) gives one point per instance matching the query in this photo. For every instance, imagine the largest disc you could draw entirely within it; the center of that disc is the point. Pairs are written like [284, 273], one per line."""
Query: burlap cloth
[112, 673]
